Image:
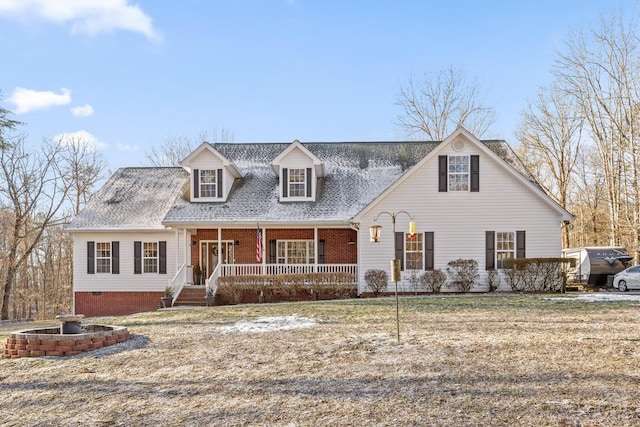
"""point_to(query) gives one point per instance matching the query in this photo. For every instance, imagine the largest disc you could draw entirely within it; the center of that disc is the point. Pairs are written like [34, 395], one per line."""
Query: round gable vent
[458, 145]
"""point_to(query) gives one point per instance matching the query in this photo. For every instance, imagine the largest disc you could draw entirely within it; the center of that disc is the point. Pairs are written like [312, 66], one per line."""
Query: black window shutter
[475, 173]
[137, 257]
[162, 257]
[272, 252]
[196, 183]
[442, 173]
[309, 182]
[400, 248]
[321, 244]
[91, 258]
[490, 250]
[219, 183]
[285, 182]
[521, 244]
[115, 257]
[428, 250]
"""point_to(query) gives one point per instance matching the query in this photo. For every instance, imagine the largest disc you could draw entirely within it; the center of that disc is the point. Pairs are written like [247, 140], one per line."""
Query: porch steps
[191, 296]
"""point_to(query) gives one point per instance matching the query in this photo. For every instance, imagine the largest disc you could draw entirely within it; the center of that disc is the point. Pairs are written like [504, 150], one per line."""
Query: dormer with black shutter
[298, 170]
[212, 174]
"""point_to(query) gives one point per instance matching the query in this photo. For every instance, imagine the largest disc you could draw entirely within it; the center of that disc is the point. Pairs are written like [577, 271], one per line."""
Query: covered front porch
[210, 253]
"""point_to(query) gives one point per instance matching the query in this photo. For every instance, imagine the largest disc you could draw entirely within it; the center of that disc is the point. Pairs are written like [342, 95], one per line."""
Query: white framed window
[295, 252]
[103, 257]
[297, 183]
[458, 173]
[208, 183]
[505, 247]
[413, 250]
[150, 257]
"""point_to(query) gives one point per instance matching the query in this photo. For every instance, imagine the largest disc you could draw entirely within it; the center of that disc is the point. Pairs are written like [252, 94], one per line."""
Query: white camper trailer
[594, 265]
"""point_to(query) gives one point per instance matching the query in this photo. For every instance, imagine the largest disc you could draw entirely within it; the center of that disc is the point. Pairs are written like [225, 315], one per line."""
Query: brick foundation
[93, 304]
[49, 342]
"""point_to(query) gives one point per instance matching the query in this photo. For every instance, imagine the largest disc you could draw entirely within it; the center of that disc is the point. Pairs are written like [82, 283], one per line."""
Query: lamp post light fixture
[375, 232]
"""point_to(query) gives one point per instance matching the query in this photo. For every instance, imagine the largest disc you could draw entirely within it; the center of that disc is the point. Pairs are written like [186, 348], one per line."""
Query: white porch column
[315, 249]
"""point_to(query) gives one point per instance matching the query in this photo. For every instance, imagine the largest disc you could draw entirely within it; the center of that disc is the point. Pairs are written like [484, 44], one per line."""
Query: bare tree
[434, 107]
[33, 187]
[84, 166]
[599, 69]
[550, 135]
[176, 147]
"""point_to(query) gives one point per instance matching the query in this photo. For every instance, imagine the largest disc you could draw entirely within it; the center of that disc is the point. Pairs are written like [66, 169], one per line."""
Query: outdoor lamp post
[374, 237]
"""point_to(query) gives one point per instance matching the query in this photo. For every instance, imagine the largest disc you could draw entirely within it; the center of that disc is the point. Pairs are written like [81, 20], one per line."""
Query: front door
[210, 255]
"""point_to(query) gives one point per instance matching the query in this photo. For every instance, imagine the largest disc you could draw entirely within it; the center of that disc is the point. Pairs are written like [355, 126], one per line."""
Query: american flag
[259, 246]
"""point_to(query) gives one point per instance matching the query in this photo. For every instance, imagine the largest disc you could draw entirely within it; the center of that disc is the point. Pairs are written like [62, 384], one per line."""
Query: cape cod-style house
[239, 208]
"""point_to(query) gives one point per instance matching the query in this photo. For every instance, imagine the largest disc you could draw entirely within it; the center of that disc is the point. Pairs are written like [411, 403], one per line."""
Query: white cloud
[27, 100]
[85, 16]
[127, 147]
[79, 138]
[82, 111]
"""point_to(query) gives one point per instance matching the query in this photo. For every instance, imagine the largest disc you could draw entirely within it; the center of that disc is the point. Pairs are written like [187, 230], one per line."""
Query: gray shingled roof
[133, 198]
[355, 174]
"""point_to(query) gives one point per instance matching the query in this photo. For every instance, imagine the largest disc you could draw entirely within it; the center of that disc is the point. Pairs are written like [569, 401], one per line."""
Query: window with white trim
[208, 183]
[505, 247]
[103, 257]
[413, 250]
[297, 183]
[150, 257]
[458, 173]
[295, 252]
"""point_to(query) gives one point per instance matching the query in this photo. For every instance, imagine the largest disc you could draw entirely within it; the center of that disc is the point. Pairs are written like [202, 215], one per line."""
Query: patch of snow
[599, 297]
[269, 324]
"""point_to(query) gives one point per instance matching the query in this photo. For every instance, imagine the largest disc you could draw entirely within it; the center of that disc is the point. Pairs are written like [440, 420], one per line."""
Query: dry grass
[463, 361]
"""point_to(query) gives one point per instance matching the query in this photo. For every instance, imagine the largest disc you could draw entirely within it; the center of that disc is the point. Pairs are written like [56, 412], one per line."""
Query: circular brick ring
[50, 342]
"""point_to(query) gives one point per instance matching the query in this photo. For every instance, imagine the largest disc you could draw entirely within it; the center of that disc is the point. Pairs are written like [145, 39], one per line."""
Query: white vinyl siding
[126, 280]
[459, 219]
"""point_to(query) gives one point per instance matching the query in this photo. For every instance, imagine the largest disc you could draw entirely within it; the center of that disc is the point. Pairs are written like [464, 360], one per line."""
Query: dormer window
[297, 183]
[297, 180]
[208, 183]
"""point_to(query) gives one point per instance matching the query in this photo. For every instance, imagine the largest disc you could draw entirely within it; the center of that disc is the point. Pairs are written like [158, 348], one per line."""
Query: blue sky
[126, 75]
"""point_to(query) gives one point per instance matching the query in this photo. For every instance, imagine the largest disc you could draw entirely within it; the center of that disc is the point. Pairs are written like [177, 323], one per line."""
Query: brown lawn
[462, 361]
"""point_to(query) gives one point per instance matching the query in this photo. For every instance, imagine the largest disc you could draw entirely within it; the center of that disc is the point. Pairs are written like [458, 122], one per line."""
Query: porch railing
[178, 281]
[210, 282]
[270, 269]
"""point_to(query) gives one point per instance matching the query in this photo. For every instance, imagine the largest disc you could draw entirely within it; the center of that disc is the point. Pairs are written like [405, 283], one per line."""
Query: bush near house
[493, 280]
[434, 280]
[463, 273]
[536, 274]
[377, 280]
[285, 287]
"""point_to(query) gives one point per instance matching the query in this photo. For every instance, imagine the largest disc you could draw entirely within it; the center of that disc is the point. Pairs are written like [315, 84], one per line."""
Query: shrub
[377, 280]
[415, 280]
[493, 280]
[434, 280]
[286, 286]
[463, 273]
[535, 274]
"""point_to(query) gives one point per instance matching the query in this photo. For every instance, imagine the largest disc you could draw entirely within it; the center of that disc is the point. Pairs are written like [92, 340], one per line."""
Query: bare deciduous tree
[435, 106]
[599, 69]
[550, 135]
[175, 148]
[33, 187]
